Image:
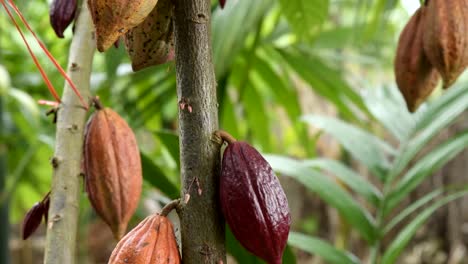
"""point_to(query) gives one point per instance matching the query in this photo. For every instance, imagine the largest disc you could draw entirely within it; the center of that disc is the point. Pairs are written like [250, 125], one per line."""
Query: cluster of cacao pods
[112, 168]
[33, 217]
[253, 201]
[145, 25]
[152, 241]
[433, 44]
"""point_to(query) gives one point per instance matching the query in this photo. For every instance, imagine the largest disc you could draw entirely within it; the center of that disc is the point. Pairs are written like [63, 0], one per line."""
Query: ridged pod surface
[415, 76]
[254, 203]
[152, 241]
[152, 42]
[113, 18]
[62, 13]
[112, 169]
[446, 37]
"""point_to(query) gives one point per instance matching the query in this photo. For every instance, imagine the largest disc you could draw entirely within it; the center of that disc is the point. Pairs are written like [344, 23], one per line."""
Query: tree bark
[64, 200]
[202, 225]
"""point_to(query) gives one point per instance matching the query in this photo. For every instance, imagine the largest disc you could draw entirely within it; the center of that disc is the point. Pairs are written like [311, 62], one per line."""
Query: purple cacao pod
[254, 203]
[62, 13]
[33, 219]
[222, 3]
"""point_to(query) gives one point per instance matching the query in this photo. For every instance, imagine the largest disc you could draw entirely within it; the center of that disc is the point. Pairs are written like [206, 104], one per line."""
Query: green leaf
[321, 248]
[256, 113]
[230, 28]
[425, 167]
[171, 142]
[157, 178]
[283, 94]
[364, 146]
[305, 16]
[388, 106]
[412, 208]
[330, 192]
[439, 116]
[404, 237]
[353, 180]
[326, 82]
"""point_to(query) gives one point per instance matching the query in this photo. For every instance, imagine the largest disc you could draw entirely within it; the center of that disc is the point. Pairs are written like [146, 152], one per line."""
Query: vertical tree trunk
[64, 203]
[4, 218]
[202, 225]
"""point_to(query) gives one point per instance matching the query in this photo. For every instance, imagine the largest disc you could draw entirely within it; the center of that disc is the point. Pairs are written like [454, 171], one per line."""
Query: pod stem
[170, 206]
[97, 103]
[225, 136]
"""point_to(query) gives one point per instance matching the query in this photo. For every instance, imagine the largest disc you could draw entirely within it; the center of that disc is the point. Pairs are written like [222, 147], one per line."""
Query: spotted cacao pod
[415, 76]
[253, 202]
[446, 37]
[112, 169]
[152, 241]
[113, 18]
[152, 42]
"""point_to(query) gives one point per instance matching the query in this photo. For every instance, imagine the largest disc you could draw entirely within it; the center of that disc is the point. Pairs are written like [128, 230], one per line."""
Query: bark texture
[202, 225]
[64, 203]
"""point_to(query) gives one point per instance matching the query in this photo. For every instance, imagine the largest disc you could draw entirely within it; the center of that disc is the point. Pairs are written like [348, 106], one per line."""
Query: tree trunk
[64, 201]
[202, 225]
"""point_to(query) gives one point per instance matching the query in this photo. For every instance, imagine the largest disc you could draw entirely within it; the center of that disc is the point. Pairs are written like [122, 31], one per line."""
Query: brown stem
[66, 187]
[202, 225]
[97, 103]
[169, 207]
[225, 136]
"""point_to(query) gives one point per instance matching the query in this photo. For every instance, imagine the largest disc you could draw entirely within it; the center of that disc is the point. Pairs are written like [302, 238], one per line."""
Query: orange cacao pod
[415, 76]
[446, 37]
[113, 18]
[152, 241]
[113, 169]
[152, 42]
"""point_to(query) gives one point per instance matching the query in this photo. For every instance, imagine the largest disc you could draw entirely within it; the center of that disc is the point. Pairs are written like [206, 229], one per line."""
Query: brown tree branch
[64, 199]
[202, 225]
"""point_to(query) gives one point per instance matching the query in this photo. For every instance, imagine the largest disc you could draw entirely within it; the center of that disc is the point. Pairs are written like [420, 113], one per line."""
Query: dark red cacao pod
[62, 13]
[254, 203]
[222, 3]
[33, 219]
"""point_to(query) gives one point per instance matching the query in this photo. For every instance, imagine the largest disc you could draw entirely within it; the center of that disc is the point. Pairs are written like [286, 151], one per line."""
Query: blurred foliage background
[277, 62]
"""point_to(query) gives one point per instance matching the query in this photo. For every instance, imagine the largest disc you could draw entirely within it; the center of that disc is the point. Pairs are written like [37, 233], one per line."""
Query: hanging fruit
[446, 37]
[415, 76]
[253, 201]
[113, 18]
[112, 168]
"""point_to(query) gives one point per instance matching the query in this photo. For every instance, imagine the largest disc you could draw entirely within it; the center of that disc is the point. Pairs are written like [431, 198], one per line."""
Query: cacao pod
[152, 42]
[113, 18]
[33, 219]
[62, 13]
[446, 37]
[415, 76]
[152, 241]
[222, 3]
[112, 169]
[253, 202]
